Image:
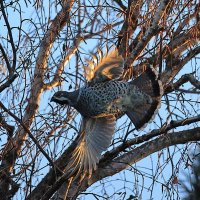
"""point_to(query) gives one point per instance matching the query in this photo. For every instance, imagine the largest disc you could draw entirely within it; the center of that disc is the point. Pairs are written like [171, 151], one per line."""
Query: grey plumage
[96, 135]
[104, 98]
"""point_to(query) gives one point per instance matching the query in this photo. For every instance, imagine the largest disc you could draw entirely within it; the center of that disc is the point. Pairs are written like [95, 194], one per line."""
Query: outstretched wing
[105, 67]
[96, 136]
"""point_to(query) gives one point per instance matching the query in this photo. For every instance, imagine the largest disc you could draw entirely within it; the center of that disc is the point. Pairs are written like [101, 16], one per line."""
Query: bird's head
[62, 97]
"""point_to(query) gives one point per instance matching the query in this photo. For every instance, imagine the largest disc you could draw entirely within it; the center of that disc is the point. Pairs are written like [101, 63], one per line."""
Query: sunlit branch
[172, 51]
[39, 138]
[182, 42]
[12, 151]
[57, 77]
[106, 28]
[122, 162]
[30, 135]
[186, 21]
[150, 32]
[128, 27]
[148, 136]
[177, 65]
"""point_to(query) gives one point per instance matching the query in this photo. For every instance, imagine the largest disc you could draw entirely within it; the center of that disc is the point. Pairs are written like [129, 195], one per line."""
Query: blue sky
[149, 166]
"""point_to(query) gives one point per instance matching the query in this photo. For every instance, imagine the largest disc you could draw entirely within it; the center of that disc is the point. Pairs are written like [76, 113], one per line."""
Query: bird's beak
[52, 99]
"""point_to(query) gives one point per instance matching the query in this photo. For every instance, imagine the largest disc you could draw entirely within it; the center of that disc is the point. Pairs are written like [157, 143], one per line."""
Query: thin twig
[30, 135]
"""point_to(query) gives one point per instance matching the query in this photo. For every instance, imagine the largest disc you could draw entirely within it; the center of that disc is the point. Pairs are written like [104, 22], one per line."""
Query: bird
[103, 99]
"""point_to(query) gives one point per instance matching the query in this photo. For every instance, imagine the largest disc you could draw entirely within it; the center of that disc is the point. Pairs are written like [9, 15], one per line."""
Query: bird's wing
[96, 136]
[105, 67]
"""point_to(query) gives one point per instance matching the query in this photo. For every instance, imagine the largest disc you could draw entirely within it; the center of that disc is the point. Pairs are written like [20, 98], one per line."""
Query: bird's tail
[146, 97]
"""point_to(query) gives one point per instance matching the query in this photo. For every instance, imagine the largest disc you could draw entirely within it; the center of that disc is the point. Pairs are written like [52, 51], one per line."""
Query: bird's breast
[102, 99]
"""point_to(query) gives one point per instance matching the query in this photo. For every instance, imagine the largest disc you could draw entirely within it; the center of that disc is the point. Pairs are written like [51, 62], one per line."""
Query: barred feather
[99, 102]
[107, 67]
[96, 136]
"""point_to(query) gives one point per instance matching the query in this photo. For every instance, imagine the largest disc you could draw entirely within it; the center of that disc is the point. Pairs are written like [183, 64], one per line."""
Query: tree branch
[30, 135]
[11, 70]
[10, 129]
[13, 149]
[177, 65]
[56, 80]
[121, 5]
[126, 160]
[156, 132]
[150, 32]
[185, 78]
[52, 176]
[8, 82]
[5, 58]
[108, 157]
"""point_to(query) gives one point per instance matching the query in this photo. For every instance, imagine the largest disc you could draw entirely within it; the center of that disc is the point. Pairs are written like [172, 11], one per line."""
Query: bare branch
[185, 78]
[119, 2]
[156, 132]
[13, 149]
[56, 80]
[123, 162]
[10, 129]
[5, 58]
[148, 148]
[11, 70]
[177, 65]
[150, 32]
[8, 82]
[34, 157]
[30, 135]
[107, 157]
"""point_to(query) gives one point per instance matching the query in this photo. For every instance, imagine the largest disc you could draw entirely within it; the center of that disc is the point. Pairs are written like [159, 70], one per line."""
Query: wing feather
[96, 136]
[105, 68]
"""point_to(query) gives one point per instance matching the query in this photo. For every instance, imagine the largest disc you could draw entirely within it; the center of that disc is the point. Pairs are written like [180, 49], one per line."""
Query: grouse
[103, 99]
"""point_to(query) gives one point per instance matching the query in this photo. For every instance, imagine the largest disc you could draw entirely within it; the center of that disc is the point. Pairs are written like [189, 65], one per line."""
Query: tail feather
[141, 116]
[148, 83]
[146, 97]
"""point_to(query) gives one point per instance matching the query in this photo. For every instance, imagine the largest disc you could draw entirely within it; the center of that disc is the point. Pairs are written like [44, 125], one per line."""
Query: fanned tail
[148, 91]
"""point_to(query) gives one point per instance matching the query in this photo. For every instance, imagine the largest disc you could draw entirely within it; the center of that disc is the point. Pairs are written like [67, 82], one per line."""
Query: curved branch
[156, 132]
[29, 133]
[13, 148]
[177, 65]
[53, 185]
[56, 80]
[78, 39]
[8, 82]
[185, 78]
[126, 160]
[11, 70]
